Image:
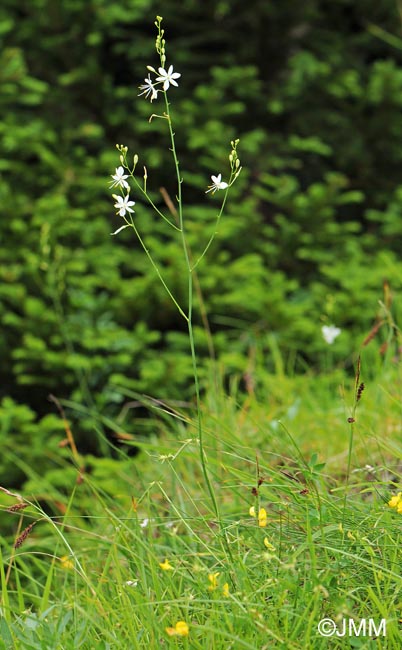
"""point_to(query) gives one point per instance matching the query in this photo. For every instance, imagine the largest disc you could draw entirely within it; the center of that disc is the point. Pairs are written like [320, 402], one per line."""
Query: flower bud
[135, 159]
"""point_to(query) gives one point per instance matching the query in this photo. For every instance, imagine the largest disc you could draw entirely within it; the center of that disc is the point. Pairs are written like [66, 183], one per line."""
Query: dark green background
[312, 230]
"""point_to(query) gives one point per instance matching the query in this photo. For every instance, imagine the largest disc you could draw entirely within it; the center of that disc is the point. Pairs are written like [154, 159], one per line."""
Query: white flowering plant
[330, 333]
[157, 85]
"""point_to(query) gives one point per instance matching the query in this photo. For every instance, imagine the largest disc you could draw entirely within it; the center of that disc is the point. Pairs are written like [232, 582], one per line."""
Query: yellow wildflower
[180, 629]
[66, 563]
[213, 579]
[225, 590]
[395, 501]
[166, 566]
[268, 544]
[262, 517]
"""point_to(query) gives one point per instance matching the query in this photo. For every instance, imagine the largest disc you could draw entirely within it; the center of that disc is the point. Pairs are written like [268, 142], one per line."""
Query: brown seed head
[359, 391]
[17, 506]
[21, 539]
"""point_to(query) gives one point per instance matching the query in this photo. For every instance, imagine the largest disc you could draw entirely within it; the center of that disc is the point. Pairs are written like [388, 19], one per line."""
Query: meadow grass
[131, 554]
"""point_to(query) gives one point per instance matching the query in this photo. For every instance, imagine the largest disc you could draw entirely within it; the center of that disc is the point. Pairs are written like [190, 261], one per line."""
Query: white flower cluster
[123, 203]
[166, 78]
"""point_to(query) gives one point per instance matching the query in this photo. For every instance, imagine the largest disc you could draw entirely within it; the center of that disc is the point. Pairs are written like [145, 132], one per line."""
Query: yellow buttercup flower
[213, 579]
[395, 501]
[166, 566]
[225, 590]
[66, 563]
[180, 629]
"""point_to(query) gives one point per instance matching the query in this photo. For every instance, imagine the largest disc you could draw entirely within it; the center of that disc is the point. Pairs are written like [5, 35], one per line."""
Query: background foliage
[313, 227]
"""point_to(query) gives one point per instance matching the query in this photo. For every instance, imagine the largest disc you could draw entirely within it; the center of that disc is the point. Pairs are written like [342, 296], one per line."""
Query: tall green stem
[351, 421]
[156, 267]
[190, 314]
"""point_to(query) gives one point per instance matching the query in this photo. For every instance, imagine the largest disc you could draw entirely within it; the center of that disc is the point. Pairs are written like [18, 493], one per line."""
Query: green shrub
[312, 230]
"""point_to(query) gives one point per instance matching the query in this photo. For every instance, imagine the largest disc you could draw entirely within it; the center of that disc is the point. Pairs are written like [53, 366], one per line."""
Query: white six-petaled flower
[148, 88]
[168, 77]
[119, 178]
[123, 204]
[330, 333]
[217, 184]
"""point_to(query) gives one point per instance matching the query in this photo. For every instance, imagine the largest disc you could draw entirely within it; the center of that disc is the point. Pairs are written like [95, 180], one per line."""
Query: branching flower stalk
[166, 77]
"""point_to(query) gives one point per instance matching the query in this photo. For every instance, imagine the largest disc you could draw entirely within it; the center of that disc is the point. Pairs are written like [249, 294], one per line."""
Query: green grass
[88, 575]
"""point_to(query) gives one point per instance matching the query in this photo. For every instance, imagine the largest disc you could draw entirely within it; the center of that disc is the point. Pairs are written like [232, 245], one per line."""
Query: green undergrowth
[311, 232]
[123, 549]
